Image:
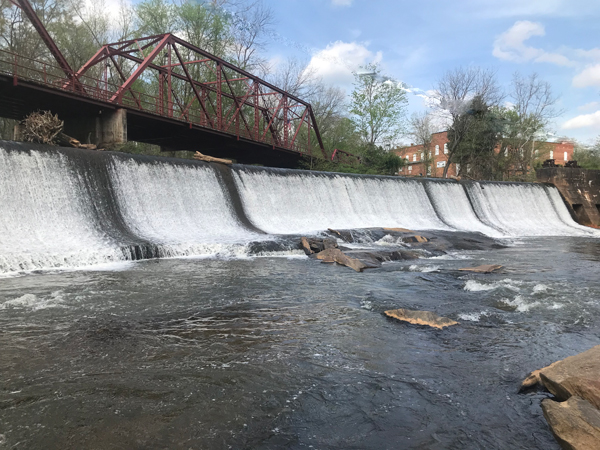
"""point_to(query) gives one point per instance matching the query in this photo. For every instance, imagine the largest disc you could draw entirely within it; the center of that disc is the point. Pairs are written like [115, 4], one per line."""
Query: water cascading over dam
[68, 208]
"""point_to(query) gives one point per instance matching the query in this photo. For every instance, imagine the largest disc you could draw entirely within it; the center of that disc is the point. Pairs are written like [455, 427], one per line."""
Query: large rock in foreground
[420, 318]
[575, 423]
[575, 382]
[576, 375]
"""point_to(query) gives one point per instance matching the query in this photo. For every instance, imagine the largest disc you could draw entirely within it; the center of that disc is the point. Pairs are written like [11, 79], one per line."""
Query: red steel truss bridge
[165, 91]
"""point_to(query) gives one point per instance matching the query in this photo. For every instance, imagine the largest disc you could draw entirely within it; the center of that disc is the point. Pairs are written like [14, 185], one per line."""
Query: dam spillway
[65, 208]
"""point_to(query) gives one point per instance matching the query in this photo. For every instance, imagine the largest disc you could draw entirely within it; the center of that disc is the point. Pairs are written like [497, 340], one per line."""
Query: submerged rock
[486, 268]
[420, 318]
[575, 423]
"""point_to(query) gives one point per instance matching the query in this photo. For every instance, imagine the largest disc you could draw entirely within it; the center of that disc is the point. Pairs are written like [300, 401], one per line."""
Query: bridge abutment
[107, 128]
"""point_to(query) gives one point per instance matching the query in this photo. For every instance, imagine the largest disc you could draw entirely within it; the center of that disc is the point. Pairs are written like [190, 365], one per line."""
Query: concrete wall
[580, 188]
[107, 128]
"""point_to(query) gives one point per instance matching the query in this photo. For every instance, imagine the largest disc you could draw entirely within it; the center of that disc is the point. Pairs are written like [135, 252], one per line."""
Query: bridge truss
[169, 78]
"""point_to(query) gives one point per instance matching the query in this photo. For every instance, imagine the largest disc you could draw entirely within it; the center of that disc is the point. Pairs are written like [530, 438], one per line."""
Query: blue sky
[417, 41]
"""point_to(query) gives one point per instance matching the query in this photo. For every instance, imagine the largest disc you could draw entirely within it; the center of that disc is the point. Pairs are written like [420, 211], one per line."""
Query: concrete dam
[65, 208]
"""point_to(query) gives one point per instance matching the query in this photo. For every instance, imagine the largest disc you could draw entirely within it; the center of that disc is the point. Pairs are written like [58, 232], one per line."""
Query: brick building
[414, 155]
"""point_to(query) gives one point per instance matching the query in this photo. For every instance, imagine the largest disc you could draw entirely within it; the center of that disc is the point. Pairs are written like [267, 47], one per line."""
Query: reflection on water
[289, 353]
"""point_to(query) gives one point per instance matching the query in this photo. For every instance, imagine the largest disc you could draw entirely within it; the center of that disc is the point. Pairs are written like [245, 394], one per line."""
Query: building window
[437, 149]
[445, 148]
[551, 154]
[410, 168]
[422, 154]
[407, 158]
[414, 157]
[566, 156]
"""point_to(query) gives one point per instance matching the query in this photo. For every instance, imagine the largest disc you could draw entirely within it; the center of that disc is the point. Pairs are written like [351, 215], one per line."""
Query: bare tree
[527, 120]
[454, 93]
[328, 105]
[421, 129]
[251, 24]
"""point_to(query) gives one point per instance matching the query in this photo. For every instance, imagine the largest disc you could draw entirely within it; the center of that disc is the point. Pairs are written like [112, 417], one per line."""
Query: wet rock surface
[575, 423]
[573, 416]
[395, 244]
[576, 375]
[427, 318]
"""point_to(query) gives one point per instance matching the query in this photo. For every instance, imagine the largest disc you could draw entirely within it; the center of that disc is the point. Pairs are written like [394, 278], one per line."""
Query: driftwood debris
[68, 141]
[200, 157]
[41, 127]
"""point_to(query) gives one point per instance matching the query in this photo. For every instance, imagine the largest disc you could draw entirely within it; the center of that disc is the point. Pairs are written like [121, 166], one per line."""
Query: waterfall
[286, 201]
[523, 209]
[47, 217]
[182, 208]
[68, 208]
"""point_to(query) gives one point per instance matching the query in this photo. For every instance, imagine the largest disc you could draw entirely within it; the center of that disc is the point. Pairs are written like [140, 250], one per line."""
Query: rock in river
[576, 375]
[575, 423]
[420, 318]
[575, 382]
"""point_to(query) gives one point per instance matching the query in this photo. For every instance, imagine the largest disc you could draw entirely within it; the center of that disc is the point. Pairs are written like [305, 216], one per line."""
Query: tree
[588, 156]
[475, 155]
[454, 93]
[377, 106]
[421, 129]
[527, 121]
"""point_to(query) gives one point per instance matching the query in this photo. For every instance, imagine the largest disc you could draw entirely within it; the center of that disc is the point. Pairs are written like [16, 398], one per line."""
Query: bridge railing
[24, 69]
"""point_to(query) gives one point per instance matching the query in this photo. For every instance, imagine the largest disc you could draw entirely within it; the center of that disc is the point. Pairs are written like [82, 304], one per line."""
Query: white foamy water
[47, 219]
[524, 210]
[181, 208]
[280, 202]
[33, 302]
[59, 211]
[477, 286]
[453, 206]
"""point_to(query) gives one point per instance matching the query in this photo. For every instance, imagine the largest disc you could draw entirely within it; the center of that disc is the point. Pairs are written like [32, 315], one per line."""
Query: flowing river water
[148, 303]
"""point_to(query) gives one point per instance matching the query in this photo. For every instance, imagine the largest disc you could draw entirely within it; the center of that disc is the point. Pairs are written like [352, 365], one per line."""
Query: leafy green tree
[377, 106]
[588, 156]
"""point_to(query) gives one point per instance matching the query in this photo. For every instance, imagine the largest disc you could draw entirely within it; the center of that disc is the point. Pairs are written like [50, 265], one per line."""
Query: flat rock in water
[336, 255]
[420, 318]
[577, 375]
[486, 268]
[399, 230]
[575, 423]
[415, 239]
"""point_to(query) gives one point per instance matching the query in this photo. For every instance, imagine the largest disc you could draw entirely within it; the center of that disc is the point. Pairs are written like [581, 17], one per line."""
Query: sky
[418, 41]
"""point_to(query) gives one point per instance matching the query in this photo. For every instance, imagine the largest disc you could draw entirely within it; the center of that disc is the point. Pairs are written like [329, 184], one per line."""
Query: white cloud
[589, 106]
[588, 77]
[341, 2]
[338, 60]
[510, 45]
[583, 121]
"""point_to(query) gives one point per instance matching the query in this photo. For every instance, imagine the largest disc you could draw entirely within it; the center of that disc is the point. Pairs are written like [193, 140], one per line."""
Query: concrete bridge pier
[105, 129]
